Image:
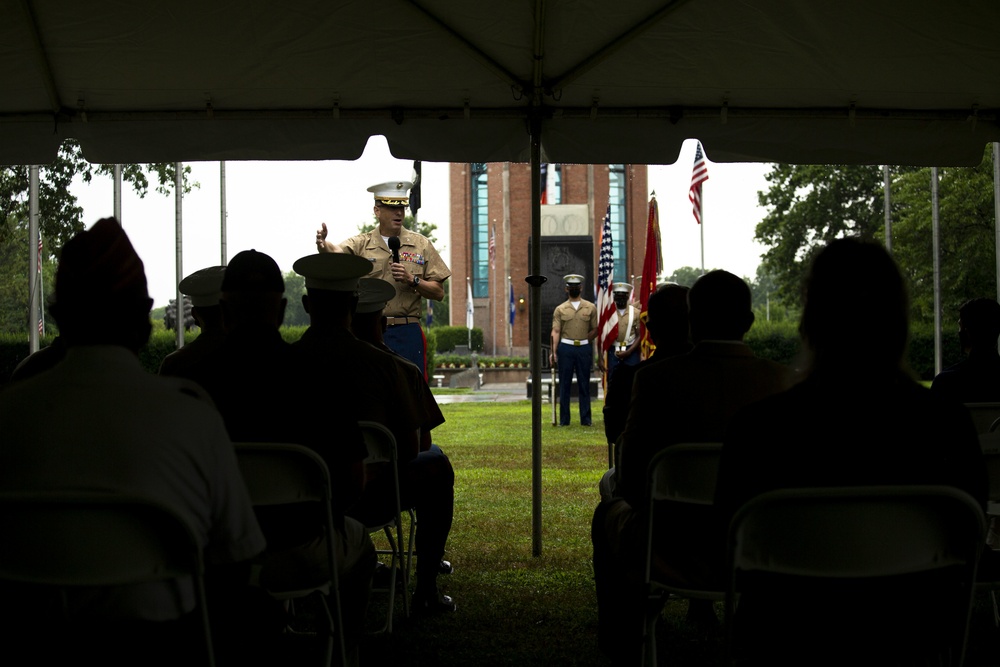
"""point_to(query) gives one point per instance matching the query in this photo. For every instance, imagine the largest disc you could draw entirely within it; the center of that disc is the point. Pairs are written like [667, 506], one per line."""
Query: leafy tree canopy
[811, 205]
[295, 312]
[686, 275]
[967, 236]
[60, 217]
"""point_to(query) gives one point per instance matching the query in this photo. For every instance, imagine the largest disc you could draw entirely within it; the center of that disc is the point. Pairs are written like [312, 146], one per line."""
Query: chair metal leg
[408, 571]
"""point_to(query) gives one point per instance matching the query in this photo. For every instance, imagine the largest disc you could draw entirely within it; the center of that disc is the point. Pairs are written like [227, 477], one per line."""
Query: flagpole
[41, 291]
[887, 208]
[493, 289]
[223, 214]
[116, 205]
[34, 299]
[996, 208]
[936, 245]
[702, 232]
[696, 195]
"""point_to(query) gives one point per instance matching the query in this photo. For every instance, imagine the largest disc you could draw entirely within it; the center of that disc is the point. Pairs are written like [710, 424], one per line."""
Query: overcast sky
[275, 207]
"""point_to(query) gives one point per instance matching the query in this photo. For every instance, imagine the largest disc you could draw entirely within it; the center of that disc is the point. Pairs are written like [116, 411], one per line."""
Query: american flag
[493, 248]
[607, 323]
[698, 176]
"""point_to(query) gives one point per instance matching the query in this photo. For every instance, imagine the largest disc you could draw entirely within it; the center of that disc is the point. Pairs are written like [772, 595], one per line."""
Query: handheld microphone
[394, 247]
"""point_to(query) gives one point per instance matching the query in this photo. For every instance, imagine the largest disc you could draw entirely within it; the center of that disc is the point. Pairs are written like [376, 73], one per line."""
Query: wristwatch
[416, 281]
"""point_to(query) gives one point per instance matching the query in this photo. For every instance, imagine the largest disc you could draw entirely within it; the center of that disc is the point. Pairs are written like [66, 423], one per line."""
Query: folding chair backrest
[853, 532]
[67, 540]
[382, 450]
[279, 473]
[93, 540]
[381, 445]
[991, 453]
[983, 415]
[685, 472]
[853, 575]
[380, 441]
[283, 474]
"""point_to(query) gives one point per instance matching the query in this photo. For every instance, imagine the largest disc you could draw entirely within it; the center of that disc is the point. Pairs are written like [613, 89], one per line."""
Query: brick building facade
[496, 198]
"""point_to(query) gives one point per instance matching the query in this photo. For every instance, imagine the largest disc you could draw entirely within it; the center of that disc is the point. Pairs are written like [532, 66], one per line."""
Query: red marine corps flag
[651, 268]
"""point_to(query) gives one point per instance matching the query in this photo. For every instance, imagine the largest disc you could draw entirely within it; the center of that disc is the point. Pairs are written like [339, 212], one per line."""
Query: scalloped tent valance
[859, 81]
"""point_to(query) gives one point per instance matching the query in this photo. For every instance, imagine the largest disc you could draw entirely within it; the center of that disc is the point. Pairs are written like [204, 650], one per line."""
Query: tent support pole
[535, 281]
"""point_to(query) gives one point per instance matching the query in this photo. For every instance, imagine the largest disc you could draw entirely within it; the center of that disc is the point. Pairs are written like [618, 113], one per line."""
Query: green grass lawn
[520, 610]
[513, 608]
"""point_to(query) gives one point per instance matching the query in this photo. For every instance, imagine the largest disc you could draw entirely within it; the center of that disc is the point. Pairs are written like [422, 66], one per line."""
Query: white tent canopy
[862, 81]
[578, 81]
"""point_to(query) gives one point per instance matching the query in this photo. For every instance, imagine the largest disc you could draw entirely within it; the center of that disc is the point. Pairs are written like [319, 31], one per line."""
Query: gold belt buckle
[576, 343]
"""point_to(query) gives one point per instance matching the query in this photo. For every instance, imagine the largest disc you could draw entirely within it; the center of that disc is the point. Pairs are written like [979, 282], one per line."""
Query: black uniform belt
[393, 321]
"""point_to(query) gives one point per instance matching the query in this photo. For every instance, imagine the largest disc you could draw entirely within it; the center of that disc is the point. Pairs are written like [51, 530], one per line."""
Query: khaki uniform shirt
[415, 253]
[574, 323]
[626, 335]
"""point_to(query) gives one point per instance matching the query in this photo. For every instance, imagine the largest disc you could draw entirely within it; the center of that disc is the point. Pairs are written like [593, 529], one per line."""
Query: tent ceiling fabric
[865, 81]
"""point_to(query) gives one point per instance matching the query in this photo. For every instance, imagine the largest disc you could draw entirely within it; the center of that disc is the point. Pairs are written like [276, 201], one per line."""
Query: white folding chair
[683, 473]
[74, 541]
[991, 453]
[984, 415]
[382, 451]
[284, 474]
[853, 535]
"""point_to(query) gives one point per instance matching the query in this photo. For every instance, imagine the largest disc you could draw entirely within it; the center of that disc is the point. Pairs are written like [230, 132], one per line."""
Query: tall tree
[686, 275]
[809, 206]
[60, 217]
[968, 244]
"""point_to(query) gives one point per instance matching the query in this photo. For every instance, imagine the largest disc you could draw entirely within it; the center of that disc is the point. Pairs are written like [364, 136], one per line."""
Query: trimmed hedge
[450, 337]
[778, 341]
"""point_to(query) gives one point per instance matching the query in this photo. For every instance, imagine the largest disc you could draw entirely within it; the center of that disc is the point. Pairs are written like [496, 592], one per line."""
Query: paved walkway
[503, 392]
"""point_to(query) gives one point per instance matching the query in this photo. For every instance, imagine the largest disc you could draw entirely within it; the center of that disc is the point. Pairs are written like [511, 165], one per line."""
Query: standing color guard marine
[574, 326]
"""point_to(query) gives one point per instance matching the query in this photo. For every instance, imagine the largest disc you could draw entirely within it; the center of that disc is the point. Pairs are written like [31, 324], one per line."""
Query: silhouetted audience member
[977, 378]
[40, 360]
[858, 418]
[204, 286]
[386, 385]
[686, 398]
[254, 377]
[368, 321]
[97, 422]
[667, 324]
